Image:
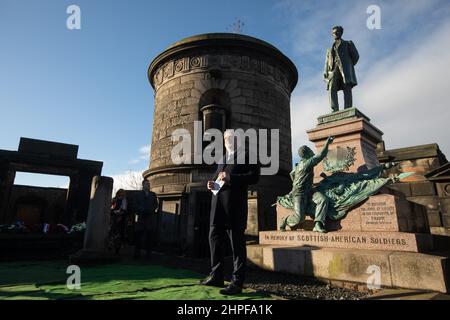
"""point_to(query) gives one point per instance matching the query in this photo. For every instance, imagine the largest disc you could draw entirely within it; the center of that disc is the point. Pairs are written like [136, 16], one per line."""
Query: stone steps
[409, 270]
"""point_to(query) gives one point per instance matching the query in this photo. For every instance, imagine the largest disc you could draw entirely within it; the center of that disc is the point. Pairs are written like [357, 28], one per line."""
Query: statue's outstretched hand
[330, 139]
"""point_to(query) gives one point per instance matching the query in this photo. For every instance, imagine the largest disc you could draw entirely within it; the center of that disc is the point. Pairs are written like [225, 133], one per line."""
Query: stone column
[6, 182]
[97, 225]
[69, 212]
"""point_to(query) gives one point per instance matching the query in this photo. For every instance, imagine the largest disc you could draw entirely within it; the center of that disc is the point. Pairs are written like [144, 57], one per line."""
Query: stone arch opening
[214, 107]
[50, 158]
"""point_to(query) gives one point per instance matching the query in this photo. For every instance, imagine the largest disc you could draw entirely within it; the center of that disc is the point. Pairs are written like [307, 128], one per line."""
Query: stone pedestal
[387, 232]
[97, 226]
[351, 128]
[409, 270]
[382, 222]
[382, 212]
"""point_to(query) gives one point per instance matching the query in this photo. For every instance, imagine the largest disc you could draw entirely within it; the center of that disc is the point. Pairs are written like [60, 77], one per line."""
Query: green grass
[47, 280]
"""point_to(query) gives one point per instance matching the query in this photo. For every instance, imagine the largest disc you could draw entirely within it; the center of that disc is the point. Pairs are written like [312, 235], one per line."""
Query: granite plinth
[382, 212]
[351, 113]
[351, 129]
[397, 269]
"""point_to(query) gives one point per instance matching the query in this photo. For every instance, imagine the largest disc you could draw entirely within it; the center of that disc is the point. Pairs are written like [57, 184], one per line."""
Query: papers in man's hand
[217, 185]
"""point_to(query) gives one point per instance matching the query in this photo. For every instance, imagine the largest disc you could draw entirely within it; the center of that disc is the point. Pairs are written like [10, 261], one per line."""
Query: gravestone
[99, 213]
[97, 227]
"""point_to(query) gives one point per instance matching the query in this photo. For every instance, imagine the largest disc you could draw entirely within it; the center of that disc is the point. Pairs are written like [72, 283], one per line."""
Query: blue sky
[89, 87]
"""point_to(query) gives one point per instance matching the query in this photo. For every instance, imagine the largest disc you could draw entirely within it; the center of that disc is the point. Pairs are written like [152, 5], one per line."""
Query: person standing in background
[146, 206]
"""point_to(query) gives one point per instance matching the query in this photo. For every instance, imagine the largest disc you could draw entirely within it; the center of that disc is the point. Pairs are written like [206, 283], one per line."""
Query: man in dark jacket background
[146, 206]
[228, 216]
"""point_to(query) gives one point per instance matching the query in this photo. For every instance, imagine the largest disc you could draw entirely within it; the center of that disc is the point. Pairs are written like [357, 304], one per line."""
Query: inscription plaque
[396, 241]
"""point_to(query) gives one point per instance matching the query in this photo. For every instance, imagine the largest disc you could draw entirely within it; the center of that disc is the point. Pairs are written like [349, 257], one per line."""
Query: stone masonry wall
[258, 91]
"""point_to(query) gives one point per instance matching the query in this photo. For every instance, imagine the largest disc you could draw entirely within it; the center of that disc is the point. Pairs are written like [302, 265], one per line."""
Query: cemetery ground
[168, 277]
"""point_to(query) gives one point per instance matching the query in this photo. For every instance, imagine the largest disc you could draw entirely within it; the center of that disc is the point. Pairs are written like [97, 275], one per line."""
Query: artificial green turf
[47, 280]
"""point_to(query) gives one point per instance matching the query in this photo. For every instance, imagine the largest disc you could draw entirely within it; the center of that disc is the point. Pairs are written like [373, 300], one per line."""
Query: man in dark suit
[339, 71]
[146, 206]
[228, 216]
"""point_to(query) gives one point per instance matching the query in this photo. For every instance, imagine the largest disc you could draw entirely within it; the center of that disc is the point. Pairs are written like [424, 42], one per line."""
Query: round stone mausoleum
[225, 81]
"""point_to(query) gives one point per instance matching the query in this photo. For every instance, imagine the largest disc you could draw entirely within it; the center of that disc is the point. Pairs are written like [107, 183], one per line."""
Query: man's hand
[222, 175]
[330, 139]
[210, 185]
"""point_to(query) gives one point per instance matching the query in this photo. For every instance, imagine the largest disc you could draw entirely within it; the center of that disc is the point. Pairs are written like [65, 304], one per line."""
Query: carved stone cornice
[228, 52]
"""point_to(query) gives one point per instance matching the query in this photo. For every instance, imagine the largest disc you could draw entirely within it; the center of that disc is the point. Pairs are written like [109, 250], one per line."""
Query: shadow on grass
[115, 281]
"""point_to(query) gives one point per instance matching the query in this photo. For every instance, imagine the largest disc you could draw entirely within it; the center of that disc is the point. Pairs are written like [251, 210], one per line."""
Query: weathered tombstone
[98, 217]
[97, 227]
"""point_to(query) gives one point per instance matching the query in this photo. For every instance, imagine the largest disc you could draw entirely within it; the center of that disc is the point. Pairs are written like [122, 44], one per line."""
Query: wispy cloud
[144, 153]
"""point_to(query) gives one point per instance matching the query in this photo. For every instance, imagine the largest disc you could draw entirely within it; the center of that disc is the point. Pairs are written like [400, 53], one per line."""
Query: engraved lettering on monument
[379, 215]
[357, 240]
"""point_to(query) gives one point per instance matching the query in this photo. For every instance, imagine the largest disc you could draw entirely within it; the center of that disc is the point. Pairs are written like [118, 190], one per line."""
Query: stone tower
[226, 81]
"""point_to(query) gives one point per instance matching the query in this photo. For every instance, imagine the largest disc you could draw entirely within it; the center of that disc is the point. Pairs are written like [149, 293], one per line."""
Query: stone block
[325, 263]
[48, 148]
[255, 255]
[422, 189]
[446, 220]
[418, 271]
[191, 77]
[247, 93]
[238, 100]
[434, 218]
[356, 133]
[429, 202]
[397, 269]
[441, 231]
[443, 189]
[444, 205]
[252, 221]
[404, 188]
[252, 102]
[347, 265]
[236, 92]
[382, 212]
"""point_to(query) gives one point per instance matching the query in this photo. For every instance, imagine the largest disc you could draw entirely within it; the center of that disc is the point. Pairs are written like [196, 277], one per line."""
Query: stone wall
[257, 101]
[52, 201]
[420, 187]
